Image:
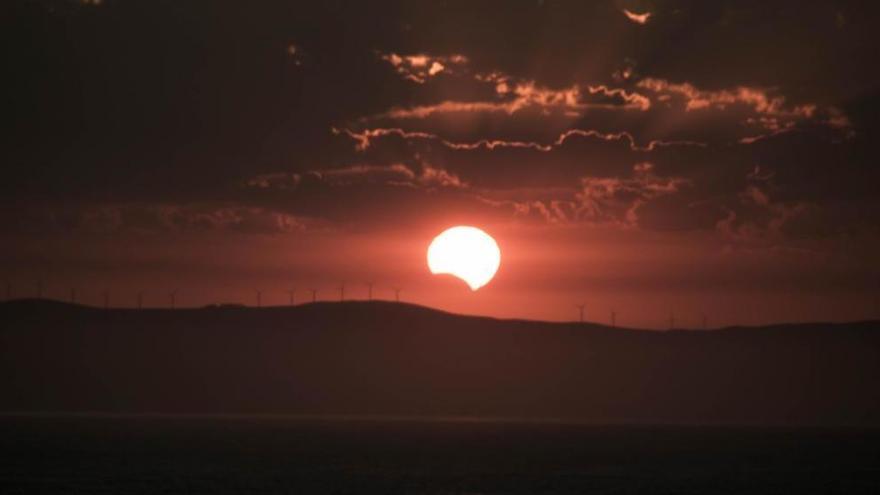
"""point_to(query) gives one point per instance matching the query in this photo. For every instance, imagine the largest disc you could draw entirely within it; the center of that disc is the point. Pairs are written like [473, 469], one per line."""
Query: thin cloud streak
[637, 18]
[420, 67]
[365, 137]
[758, 99]
[525, 95]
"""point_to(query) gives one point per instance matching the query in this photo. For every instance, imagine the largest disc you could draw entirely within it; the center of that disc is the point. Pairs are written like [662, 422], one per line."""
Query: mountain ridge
[360, 358]
[34, 303]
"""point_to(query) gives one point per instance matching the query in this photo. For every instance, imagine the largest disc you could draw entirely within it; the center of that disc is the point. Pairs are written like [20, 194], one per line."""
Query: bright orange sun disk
[467, 253]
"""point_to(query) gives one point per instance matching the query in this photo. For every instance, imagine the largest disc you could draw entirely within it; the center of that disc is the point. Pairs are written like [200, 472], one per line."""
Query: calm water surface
[154, 455]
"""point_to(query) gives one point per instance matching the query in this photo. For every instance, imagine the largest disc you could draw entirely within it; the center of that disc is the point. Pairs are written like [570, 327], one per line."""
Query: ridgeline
[390, 359]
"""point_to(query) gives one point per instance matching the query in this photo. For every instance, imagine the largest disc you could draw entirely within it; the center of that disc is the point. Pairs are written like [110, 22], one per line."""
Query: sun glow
[467, 253]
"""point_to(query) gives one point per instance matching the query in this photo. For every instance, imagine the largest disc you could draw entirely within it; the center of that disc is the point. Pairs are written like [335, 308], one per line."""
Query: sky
[659, 159]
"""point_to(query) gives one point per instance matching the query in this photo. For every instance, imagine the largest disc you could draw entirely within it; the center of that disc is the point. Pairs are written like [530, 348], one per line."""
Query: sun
[467, 253]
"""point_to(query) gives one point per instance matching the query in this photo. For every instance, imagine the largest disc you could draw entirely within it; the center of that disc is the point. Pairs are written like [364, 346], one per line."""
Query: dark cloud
[741, 119]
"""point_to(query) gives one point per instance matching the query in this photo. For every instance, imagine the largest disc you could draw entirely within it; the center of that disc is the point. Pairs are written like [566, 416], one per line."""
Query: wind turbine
[259, 298]
[397, 293]
[580, 308]
[173, 296]
[342, 292]
[292, 296]
[314, 295]
[613, 318]
[369, 291]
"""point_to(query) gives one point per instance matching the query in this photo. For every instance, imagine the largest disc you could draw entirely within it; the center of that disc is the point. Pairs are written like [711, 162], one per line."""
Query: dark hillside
[380, 358]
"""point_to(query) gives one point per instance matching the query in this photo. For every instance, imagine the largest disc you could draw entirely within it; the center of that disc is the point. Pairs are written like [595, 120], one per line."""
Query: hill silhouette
[390, 359]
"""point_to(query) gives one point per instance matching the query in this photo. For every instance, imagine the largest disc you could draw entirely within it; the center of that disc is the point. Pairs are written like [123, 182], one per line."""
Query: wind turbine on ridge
[580, 308]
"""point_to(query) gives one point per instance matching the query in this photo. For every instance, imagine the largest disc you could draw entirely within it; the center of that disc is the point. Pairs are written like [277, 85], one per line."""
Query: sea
[188, 454]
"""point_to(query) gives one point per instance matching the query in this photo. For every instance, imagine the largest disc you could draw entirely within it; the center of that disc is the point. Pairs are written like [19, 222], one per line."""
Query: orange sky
[703, 157]
[544, 273]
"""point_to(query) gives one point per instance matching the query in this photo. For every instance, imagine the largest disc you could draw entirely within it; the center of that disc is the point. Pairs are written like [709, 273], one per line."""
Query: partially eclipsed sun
[467, 253]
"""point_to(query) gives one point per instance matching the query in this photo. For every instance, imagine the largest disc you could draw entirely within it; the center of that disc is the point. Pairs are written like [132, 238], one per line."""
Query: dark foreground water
[152, 455]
